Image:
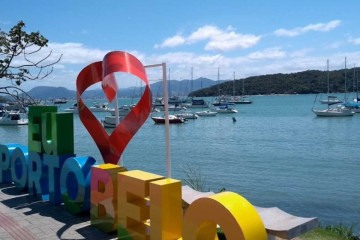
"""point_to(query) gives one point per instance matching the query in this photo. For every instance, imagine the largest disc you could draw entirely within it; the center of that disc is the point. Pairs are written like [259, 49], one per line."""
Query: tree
[21, 56]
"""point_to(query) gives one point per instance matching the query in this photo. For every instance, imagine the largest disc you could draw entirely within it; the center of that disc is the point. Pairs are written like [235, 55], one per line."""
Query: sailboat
[221, 100]
[334, 109]
[195, 102]
[330, 98]
[239, 99]
[354, 105]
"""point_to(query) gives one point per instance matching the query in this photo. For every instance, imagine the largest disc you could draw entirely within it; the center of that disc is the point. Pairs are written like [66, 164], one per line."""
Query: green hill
[311, 81]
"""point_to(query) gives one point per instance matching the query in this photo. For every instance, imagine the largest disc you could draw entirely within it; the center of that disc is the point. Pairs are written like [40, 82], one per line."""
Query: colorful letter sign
[136, 204]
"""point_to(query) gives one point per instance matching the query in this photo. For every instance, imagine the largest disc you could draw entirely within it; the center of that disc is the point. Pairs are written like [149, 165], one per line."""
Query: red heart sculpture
[111, 147]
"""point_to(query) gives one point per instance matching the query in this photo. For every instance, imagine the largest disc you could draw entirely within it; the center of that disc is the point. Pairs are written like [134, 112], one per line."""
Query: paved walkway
[23, 217]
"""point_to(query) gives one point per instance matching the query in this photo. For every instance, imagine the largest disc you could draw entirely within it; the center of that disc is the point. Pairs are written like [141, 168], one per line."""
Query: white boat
[60, 101]
[72, 109]
[206, 113]
[14, 118]
[225, 109]
[222, 101]
[334, 109]
[100, 108]
[110, 121]
[123, 110]
[197, 103]
[240, 100]
[331, 100]
[354, 106]
[337, 111]
[171, 108]
[187, 115]
[172, 119]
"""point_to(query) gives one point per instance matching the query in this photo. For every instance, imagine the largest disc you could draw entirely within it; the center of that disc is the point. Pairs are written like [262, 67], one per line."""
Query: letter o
[19, 167]
[237, 218]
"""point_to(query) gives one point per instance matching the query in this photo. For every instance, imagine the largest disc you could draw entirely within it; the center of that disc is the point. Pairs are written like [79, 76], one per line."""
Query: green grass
[331, 232]
[328, 232]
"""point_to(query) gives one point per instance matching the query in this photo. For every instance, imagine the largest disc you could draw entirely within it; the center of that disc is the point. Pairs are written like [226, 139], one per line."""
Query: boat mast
[169, 88]
[234, 85]
[357, 85]
[243, 87]
[328, 83]
[218, 80]
[354, 75]
[191, 79]
[345, 90]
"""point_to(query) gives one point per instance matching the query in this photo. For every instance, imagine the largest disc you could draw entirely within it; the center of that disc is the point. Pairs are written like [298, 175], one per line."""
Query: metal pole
[116, 106]
[166, 114]
[167, 131]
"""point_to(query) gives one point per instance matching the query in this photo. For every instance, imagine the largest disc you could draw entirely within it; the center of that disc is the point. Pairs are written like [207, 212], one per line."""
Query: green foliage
[194, 178]
[307, 82]
[25, 48]
[331, 232]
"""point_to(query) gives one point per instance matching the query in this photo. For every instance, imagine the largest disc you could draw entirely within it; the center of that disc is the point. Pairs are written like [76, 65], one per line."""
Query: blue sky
[247, 37]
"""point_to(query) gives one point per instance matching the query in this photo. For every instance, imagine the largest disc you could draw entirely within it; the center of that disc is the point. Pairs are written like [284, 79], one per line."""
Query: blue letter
[75, 183]
[19, 164]
[6, 151]
[54, 164]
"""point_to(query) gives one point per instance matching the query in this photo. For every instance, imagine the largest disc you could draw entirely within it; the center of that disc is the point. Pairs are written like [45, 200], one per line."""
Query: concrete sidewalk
[24, 217]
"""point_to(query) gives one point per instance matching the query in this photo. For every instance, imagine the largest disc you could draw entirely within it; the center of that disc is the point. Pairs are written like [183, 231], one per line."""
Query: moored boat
[331, 100]
[172, 119]
[222, 101]
[14, 118]
[338, 111]
[110, 121]
[100, 108]
[60, 101]
[187, 115]
[206, 113]
[240, 100]
[197, 103]
[72, 109]
[123, 110]
[225, 109]
[354, 106]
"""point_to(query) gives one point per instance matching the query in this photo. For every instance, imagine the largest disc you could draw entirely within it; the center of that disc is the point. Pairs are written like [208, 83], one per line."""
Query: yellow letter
[237, 218]
[165, 209]
[133, 203]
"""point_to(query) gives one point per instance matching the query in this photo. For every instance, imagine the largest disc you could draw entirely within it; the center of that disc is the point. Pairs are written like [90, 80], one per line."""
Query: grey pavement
[24, 217]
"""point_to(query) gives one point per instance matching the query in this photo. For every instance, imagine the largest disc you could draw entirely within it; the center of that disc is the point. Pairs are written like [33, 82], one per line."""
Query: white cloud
[203, 33]
[318, 27]
[172, 42]
[77, 53]
[301, 53]
[355, 41]
[262, 61]
[218, 39]
[269, 53]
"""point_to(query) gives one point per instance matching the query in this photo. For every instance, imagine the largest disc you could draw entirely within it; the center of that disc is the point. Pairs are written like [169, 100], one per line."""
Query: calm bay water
[277, 153]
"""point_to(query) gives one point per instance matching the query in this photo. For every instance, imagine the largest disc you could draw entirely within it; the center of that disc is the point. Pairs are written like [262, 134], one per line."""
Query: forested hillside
[311, 81]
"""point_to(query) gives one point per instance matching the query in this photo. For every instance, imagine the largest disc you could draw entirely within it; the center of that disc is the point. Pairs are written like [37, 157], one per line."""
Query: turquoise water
[277, 153]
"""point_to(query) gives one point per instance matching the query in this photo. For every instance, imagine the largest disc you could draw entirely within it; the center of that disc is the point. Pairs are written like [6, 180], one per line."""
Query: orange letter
[103, 212]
